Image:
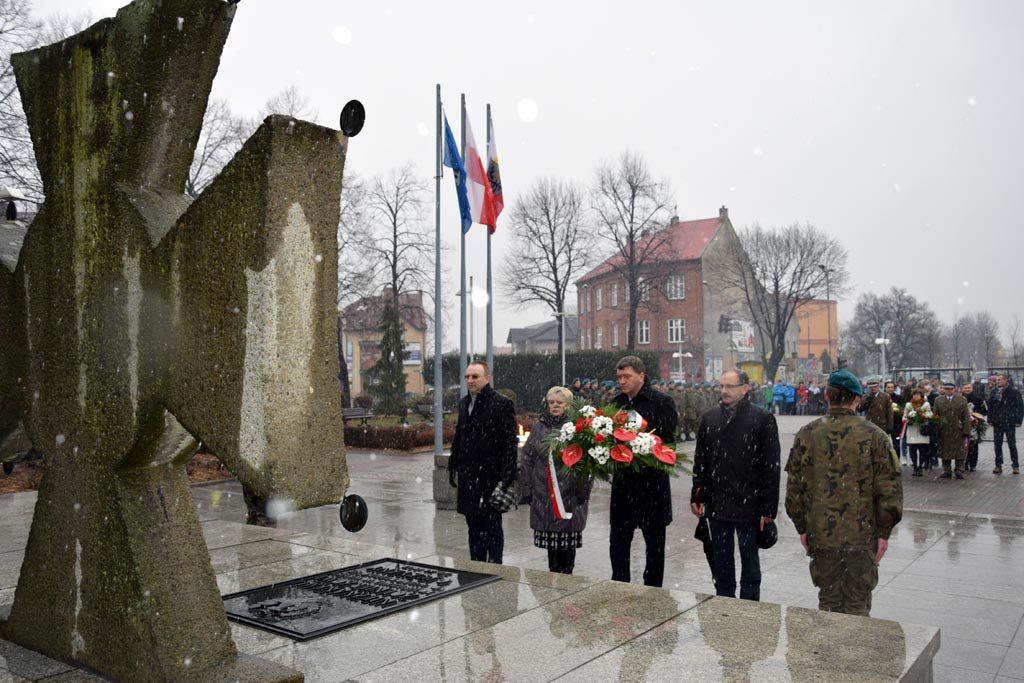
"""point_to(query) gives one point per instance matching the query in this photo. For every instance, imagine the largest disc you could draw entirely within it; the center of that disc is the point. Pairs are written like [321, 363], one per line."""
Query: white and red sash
[556, 494]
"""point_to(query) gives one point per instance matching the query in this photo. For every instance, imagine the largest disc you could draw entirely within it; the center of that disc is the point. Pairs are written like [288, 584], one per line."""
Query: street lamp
[882, 341]
[828, 309]
[561, 322]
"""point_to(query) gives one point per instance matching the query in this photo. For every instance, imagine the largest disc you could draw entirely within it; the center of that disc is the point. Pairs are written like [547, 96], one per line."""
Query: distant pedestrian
[844, 494]
[1005, 414]
[779, 397]
[801, 399]
[877, 408]
[483, 457]
[560, 536]
[641, 499]
[954, 425]
[918, 444]
[978, 410]
[790, 396]
[736, 483]
[896, 416]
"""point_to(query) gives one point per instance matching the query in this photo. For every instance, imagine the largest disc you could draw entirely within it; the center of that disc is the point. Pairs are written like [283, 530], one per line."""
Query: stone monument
[137, 323]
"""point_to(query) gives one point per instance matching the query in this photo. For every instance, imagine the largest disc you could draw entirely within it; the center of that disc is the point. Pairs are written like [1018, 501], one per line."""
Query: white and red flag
[481, 201]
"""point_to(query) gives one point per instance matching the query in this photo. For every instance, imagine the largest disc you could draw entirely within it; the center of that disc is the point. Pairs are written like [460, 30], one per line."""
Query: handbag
[503, 498]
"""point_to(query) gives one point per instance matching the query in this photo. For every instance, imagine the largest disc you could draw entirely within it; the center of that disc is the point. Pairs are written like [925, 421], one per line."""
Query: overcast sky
[896, 126]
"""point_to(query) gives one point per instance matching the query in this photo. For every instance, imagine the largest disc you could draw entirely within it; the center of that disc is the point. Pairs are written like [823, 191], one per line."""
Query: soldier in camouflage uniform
[844, 495]
[689, 413]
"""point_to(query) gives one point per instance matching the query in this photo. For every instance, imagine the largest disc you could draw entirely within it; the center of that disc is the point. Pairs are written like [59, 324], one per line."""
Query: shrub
[395, 438]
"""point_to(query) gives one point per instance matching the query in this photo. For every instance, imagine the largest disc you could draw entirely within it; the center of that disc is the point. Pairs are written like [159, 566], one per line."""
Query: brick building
[682, 306]
[361, 321]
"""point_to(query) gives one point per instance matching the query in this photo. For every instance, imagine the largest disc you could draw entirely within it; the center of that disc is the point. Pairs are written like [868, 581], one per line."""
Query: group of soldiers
[692, 399]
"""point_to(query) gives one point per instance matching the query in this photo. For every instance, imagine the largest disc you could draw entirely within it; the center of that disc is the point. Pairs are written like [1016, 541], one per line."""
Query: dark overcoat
[533, 483]
[954, 422]
[736, 464]
[483, 450]
[644, 498]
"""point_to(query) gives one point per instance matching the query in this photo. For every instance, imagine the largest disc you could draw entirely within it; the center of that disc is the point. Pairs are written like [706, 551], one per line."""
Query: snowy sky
[895, 126]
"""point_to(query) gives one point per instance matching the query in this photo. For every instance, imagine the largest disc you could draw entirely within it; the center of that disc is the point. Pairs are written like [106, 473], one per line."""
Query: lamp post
[828, 309]
[882, 341]
[561, 322]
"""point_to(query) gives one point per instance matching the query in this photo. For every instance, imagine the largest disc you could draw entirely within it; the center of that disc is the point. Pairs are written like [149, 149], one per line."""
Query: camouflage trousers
[844, 578]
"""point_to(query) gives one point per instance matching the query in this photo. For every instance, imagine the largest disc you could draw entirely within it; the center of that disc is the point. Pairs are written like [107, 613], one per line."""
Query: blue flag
[453, 160]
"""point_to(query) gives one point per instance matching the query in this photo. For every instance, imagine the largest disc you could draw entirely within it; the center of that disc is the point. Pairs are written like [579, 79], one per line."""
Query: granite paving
[954, 562]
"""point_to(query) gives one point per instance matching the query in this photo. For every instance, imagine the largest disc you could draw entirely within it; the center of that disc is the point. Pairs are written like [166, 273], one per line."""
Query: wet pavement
[955, 562]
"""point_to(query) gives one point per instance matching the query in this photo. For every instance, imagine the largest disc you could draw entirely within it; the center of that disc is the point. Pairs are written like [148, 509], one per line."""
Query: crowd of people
[930, 421]
[844, 512]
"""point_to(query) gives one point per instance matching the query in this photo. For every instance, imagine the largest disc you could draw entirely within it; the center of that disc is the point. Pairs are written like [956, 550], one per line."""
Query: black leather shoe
[946, 475]
[958, 475]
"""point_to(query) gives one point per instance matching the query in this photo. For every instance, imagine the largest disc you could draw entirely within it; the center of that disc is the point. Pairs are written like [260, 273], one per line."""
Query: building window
[644, 329]
[599, 342]
[583, 300]
[643, 289]
[613, 296]
[615, 334]
[348, 350]
[597, 300]
[675, 287]
[676, 331]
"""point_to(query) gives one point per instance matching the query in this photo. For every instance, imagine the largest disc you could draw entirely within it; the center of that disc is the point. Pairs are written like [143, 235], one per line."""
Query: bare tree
[630, 207]
[986, 329]
[289, 102]
[400, 243]
[910, 325]
[19, 31]
[775, 271]
[1015, 336]
[547, 246]
[222, 135]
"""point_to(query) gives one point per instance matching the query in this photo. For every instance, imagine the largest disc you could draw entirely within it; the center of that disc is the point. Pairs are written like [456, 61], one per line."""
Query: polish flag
[481, 200]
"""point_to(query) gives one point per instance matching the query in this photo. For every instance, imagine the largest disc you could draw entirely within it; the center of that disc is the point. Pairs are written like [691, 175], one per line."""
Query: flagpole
[462, 285]
[490, 292]
[438, 375]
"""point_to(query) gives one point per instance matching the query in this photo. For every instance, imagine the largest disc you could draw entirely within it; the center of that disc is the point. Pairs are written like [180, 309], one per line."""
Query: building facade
[543, 337]
[819, 328]
[362, 333]
[697, 325]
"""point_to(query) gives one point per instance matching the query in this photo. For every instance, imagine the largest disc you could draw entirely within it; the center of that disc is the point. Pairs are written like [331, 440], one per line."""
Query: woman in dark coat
[561, 537]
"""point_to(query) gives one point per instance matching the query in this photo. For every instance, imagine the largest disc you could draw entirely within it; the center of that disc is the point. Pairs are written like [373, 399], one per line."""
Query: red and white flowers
[602, 441]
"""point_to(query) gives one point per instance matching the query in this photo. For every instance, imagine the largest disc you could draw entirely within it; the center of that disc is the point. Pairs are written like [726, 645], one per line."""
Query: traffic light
[724, 324]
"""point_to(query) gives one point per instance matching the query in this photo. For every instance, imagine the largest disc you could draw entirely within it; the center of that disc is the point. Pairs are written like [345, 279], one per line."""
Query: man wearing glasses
[483, 456]
[736, 483]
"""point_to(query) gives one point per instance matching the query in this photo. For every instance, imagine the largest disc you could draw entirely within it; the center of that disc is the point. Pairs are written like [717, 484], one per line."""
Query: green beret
[844, 379]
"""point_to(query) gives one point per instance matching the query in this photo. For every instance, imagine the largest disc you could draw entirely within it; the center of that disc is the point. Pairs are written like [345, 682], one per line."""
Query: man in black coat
[736, 482]
[897, 419]
[642, 499]
[975, 404]
[1005, 413]
[483, 455]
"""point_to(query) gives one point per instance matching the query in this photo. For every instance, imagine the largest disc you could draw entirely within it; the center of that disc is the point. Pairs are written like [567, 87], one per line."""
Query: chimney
[723, 213]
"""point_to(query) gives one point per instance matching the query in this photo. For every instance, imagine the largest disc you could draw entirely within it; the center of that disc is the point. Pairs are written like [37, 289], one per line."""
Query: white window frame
[644, 289]
[615, 336]
[613, 296]
[597, 299]
[675, 287]
[599, 338]
[643, 332]
[678, 326]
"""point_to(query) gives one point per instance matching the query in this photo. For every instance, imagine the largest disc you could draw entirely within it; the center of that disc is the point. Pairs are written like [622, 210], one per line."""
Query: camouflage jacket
[878, 411]
[844, 487]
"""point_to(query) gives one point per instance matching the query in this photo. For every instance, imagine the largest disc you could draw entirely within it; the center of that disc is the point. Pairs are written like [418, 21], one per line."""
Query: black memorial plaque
[319, 604]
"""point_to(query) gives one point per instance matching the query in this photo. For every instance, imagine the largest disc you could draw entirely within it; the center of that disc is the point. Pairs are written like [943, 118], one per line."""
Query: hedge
[395, 438]
[530, 375]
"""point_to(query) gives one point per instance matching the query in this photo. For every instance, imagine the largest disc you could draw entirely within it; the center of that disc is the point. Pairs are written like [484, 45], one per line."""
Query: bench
[426, 410]
[360, 414]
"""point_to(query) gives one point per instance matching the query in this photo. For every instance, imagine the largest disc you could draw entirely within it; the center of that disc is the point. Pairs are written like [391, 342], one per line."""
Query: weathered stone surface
[141, 324]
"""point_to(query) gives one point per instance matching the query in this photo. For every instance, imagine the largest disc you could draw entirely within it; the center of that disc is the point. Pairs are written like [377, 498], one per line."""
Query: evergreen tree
[387, 376]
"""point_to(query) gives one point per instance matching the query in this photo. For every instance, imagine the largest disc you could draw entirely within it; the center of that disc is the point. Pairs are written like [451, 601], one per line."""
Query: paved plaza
[955, 562]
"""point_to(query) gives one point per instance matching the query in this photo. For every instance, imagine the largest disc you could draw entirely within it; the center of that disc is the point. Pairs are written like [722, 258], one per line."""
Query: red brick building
[682, 306]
